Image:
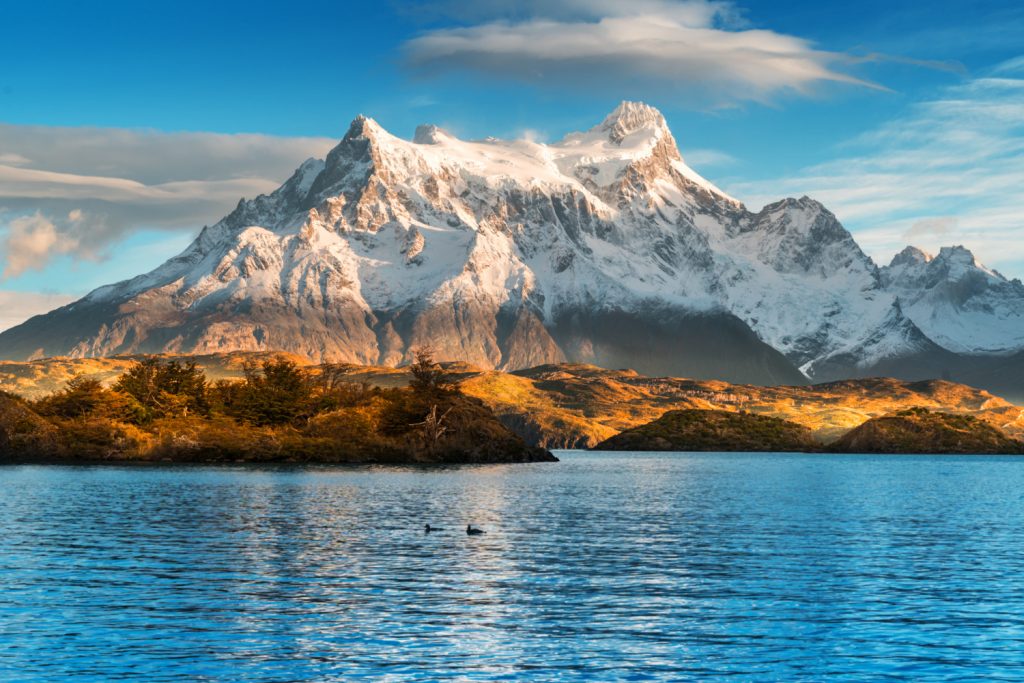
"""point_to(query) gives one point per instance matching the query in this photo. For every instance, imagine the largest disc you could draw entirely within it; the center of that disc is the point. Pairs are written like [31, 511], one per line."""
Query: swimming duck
[470, 531]
[427, 528]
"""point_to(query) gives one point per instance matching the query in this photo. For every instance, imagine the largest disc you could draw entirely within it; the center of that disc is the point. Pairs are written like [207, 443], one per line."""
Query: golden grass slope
[37, 378]
[578, 406]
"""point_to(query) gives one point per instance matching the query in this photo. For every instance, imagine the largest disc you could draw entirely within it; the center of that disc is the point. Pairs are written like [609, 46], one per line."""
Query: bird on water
[427, 528]
[470, 531]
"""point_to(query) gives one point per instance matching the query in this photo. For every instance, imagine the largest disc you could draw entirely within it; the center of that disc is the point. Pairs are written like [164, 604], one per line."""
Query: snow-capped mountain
[958, 302]
[604, 247]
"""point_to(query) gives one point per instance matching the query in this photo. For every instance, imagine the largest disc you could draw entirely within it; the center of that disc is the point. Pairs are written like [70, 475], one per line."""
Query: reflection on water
[605, 566]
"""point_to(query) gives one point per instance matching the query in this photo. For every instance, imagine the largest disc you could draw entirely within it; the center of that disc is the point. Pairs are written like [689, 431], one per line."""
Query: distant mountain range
[603, 248]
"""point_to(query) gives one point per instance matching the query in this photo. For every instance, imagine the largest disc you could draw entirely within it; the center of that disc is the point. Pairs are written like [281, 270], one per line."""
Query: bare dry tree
[433, 427]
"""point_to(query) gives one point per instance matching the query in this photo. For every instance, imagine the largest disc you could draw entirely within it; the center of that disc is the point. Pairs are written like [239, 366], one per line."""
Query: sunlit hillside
[576, 406]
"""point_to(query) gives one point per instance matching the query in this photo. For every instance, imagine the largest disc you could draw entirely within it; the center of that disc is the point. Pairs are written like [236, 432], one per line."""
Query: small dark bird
[427, 528]
[470, 531]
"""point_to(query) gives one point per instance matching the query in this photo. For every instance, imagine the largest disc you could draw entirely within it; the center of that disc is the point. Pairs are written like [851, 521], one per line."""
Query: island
[713, 430]
[166, 410]
[910, 431]
[919, 430]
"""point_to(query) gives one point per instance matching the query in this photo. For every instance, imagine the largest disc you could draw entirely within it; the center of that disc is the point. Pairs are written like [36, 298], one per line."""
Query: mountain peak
[950, 264]
[958, 253]
[429, 134]
[956, 301]
[910, 256]
[960, 260]
[363, 127]
[630, 117]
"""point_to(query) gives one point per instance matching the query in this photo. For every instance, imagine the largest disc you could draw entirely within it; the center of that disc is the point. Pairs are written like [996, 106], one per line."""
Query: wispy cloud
[11, 159]
[705, 158]
[694, 48]
[79, 190]
[950, 171]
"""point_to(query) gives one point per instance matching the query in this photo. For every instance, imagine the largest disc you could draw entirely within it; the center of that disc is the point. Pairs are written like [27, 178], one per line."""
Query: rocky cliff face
[603, 248]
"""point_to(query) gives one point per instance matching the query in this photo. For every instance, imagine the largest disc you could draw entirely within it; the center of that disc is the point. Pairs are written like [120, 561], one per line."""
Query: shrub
[86, 397]
[93, 438]
[22, 431]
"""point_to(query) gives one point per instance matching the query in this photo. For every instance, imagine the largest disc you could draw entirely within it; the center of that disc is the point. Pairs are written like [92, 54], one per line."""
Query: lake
[606, 566]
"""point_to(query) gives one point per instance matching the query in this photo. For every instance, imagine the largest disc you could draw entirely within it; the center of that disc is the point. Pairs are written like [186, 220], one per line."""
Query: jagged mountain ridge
[958, 302]
[604, 248]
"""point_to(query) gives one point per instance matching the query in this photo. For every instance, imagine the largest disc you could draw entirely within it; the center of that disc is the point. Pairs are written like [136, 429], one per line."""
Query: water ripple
[602, 567]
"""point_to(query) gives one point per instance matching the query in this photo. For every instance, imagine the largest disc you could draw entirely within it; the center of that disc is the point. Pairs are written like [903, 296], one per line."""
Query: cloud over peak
[694, 48]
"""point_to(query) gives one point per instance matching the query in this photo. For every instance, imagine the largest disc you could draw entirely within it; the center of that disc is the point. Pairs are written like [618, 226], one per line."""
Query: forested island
[165, 410]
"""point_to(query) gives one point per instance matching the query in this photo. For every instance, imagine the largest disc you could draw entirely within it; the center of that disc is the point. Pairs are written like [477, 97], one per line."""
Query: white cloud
[638, 48]
[79, 190]
[950, 171]
[30, 241]
[17, 307]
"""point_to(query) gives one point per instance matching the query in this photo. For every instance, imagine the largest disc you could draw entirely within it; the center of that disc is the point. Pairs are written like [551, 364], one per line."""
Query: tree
[333, 376]
[430, 393]
[85, 396]
[332, 388]
[428, 378]
[433, 427]
[187, 383]
[166, 389]
[275, 392]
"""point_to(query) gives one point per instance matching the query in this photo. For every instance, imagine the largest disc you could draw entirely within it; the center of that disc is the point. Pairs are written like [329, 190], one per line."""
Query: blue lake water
[601, 567]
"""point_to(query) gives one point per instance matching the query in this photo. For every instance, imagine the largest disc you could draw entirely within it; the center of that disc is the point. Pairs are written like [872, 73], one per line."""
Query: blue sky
[120, 122]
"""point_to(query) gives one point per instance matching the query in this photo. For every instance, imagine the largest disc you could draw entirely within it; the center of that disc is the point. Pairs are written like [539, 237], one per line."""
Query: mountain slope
[604, 248]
